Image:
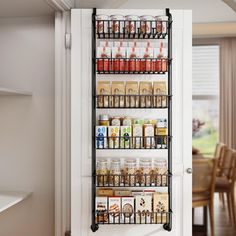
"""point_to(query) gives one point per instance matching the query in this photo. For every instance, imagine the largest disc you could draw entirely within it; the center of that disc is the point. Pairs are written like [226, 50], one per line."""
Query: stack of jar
[147, 173]
[131, 24]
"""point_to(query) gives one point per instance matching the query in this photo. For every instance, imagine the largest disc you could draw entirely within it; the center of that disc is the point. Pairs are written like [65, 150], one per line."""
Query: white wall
[27, 124]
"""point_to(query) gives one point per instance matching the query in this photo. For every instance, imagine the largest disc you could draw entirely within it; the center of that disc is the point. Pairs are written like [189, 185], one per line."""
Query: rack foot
[167, 227]
[95, 227]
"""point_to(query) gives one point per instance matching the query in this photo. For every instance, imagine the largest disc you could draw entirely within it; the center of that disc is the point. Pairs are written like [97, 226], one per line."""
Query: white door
[81, 103]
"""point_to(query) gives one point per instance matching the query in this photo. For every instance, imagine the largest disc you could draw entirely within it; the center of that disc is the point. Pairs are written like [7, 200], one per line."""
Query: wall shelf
[11, 198]
[14, 92]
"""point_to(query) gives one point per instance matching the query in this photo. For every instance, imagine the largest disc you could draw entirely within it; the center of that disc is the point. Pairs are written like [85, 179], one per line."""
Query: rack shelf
[135, 29]
[11, 198]
[138, 218]
[6, 91]
[124, 29]
[133, 180]
[132, 66]
[130, 142]
[158, 101]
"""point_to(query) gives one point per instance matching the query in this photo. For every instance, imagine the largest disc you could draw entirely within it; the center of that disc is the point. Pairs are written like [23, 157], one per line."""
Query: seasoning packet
[118, 94]
[145, 89]
[132, 89]
[103, 93]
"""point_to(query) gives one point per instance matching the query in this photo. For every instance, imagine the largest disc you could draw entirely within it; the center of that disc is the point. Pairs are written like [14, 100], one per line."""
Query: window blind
[206, 71]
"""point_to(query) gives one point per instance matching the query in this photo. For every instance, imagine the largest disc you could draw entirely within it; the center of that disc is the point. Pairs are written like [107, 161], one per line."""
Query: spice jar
[145, 167]
[102, 23]
[102, 172]
[160, 172]
[130, 168]
[104, 120]
[146, 24]
[132, 24]
[117, 23]
[161, 24]
[115, 173]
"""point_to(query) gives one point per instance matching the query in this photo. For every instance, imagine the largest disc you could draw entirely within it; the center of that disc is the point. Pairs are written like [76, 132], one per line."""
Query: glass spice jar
[160, 172]
[102, 172]
[130, 168]
[115, 173]
[145, 168]
[104, 120]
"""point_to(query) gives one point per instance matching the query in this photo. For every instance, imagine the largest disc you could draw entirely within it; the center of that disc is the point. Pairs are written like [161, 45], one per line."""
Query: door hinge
[68, 41]
[68, 233]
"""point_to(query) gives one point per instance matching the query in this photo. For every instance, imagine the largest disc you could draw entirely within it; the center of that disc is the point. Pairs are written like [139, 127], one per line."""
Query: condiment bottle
[104, 120]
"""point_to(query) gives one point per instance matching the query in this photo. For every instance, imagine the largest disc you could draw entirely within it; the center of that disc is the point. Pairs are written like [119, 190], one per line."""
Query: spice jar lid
[117, 17]
[102, 17]
[146, 17]
[132, 17]
[160, 160]
[103, 117]
[163, 18]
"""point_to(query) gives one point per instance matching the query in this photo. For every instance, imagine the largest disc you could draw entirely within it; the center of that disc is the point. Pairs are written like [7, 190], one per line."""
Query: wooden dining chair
[219, 152]
[204, 175]
[225, 183]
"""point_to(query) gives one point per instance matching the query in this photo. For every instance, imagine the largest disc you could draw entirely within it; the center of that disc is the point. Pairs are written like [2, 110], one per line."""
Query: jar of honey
[104, 120]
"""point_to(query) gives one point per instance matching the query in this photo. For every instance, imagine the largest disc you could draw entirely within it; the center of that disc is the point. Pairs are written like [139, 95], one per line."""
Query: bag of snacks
[118, 94]
[132, 89]
[103, 93]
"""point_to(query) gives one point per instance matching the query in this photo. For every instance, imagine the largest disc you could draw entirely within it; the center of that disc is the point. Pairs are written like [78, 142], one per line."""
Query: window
[206, 98]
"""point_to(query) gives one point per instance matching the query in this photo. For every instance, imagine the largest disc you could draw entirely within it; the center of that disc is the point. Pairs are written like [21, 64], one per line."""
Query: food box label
[114, 209]
[127, 209]
[113, 133]
[101, 210]
[143, 206]
[126, 134]
[101, 137]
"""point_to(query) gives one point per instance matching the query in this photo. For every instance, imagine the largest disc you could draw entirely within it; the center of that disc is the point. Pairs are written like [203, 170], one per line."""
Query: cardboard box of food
[137, 135]
[101, 137]
[113, 134]
[101, 210]
[114, 209]
[127, 206]
[160, 207]
[143, 208]
[126, 134]
[108, 192]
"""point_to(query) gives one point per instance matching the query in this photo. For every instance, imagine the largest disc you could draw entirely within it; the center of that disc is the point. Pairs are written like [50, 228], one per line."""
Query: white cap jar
[145, 168]
[160, 170]
[102, 172]
[161, 24]
[132, 23]
[147, 23]
[130, 168]
[102, 23]
[115, 173]
[117, 23]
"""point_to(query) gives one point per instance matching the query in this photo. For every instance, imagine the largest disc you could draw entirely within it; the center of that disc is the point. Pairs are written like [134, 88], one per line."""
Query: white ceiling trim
[230, 3]
[61, 5]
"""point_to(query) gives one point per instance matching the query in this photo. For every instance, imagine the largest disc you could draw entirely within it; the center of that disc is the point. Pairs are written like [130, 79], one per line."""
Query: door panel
[81, 127]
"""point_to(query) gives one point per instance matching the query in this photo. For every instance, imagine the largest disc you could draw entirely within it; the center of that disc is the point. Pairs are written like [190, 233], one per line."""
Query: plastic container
[160, 172]
[102, 172]
[130, 169]
[145, 167]
[115, 170]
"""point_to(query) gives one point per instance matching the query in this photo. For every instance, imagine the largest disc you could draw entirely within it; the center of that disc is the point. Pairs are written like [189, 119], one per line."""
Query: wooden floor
[222, 223]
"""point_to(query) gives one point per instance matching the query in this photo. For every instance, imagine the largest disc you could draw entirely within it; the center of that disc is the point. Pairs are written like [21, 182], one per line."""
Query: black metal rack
[158, 101]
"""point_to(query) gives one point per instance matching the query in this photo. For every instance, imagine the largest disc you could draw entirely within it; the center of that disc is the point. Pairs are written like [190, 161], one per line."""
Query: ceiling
[15, 8]
[203, 10]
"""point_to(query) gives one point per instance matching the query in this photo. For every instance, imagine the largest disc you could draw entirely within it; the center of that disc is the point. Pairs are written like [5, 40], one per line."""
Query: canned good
[102, 172]
[147, 23]
[117, 23]
[104, 120]
[161, 24]
[102, 23]
[132, 24]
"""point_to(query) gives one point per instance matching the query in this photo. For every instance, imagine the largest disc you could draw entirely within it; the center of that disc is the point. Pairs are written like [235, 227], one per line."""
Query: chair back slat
[227, 163]
[219, 152]
[204, 172]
